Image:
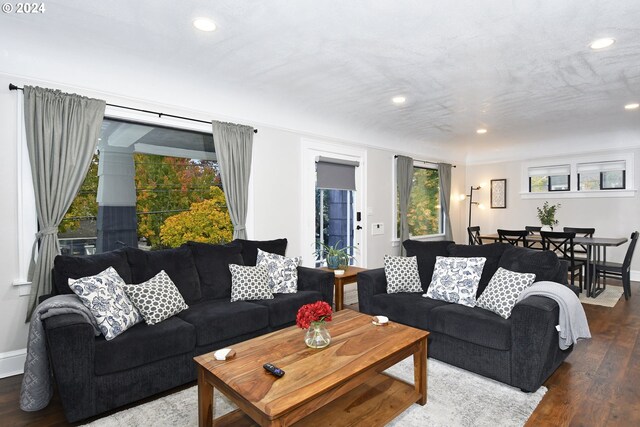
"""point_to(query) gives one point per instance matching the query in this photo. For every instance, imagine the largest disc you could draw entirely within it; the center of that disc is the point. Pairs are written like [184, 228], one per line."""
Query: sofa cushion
[492, 252]
[212, 263]
[401, 274]
[249, 283]
[426, 253]
[284, 307]
[218, 320]
[67, 267]
[407, 308]
[456, 279]
[472, 324]
[283, 271]
[503, 291]
[157, 299]
[143, 344]
[104, 295]
[178, 263]
[544, 264]
[250, 248]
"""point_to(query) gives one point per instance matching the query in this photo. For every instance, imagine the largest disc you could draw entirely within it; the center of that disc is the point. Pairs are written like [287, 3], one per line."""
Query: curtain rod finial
[12, 86]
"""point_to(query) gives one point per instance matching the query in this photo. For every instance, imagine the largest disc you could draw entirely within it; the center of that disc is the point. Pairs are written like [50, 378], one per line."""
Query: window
[549, 178]
[602, 176]
[424, 214]
[150, 187]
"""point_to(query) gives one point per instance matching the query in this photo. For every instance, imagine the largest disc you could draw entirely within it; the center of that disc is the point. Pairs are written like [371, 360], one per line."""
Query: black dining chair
[534, 231]
[621, 271]
[514, 237]
[578, 249]
[474, 235]
[562, 244]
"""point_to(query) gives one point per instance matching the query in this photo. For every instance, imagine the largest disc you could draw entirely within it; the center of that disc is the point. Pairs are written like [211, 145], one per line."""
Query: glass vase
[317, 335]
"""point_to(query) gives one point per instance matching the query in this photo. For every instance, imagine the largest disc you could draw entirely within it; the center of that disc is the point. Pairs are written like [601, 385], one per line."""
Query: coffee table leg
[206, 410]
[420, 371]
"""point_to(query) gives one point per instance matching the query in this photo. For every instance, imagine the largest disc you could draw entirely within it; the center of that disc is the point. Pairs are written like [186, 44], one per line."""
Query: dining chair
[622, 271]
[534, 231]
[562, 244]
[513, 237]
[578, 249]
[474, 235]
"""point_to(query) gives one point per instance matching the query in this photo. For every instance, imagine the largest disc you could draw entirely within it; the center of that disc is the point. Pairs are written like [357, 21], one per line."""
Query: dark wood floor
[598, 385]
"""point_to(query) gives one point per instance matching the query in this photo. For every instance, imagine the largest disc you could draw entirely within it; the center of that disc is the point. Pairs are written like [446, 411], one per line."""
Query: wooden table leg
[206, 410]
[339, 296]
[420, 371]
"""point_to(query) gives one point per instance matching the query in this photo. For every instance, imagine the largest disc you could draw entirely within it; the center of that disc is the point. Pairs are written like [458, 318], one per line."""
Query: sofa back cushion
[426, 252]
[212, 263]
[67, 267]
[492, 252]
[250, 248]
[178, 263]
[544, 264]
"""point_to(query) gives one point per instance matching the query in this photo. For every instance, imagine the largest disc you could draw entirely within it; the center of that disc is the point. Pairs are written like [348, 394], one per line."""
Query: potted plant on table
[547, 216]
[337, 257]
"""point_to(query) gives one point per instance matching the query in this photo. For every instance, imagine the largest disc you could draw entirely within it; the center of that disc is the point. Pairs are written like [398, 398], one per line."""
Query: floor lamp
[471, 203]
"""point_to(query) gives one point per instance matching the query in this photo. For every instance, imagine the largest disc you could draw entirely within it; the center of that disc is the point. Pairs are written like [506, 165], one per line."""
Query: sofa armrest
[370, 283]
[313, 279]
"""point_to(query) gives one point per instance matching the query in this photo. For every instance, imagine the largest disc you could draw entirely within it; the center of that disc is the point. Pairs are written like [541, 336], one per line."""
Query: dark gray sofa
[94, 375]
[521, 351]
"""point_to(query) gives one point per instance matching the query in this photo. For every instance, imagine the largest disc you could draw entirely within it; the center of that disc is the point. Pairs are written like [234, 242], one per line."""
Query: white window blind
[602, 166]
[550, 170]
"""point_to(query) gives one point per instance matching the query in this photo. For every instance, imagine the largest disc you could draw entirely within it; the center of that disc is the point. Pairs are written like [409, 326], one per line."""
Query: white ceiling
[520, 68]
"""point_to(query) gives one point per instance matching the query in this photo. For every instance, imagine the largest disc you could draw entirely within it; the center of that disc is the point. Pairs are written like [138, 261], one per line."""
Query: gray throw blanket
[573, 321]
[36, 389]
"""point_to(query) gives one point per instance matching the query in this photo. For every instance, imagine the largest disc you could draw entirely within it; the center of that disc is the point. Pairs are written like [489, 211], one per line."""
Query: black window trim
[602, 187]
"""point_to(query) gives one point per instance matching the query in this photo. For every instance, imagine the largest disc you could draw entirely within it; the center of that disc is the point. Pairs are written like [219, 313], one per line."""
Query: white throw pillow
[402, 274]
[249, 283]
[283, 271]
[503, 291]
[104, 296]
[456, 279]
[157, 299]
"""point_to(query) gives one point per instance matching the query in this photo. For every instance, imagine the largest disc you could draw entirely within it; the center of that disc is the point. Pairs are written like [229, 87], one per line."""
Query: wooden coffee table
[333, 386]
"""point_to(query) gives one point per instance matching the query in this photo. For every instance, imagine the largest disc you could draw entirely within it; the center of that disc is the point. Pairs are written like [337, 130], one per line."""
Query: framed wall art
[498, 193]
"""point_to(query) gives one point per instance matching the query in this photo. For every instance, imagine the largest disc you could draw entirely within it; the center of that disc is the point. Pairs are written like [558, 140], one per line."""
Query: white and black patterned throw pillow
[157, 299]
[249, 283]
[402, 274]
[503, 291]
[456, 279]
[283, 271]
[104, 296]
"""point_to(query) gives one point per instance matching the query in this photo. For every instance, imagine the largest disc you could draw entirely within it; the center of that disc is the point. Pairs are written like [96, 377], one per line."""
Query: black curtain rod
[14, 87]
[423, 161]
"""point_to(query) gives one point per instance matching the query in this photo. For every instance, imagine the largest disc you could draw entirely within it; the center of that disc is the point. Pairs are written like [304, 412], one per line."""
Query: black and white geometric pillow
[249, 283]
[283, 271]
[402, 274]
[157, 299]
[456, 279]
[104, 296]
[503, 291]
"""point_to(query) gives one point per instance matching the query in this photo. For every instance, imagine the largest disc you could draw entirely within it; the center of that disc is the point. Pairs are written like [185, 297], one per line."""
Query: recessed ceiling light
[481, 131]
[204, 24]
[601, 43]
[633, 106]
[398, 100]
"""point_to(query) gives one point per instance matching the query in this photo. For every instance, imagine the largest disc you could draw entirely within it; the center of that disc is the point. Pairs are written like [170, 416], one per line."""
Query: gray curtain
[62, 134]
[404, 178]
[234, 144]
[444, 171]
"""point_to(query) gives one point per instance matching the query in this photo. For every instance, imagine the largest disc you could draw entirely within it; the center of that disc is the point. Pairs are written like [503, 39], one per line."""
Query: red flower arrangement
[319, 311]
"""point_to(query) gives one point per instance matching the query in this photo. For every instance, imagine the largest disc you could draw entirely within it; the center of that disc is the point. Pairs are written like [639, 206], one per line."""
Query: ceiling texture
[521, 69]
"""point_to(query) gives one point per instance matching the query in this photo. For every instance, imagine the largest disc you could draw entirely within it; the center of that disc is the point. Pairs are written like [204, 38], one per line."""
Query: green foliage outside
[424, 204]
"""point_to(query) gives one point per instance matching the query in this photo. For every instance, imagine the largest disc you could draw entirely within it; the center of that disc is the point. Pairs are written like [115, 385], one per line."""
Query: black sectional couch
[521, 351]
[94, 375]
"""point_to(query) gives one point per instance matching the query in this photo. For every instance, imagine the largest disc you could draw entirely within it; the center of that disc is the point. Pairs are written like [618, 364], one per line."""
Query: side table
[349, 276]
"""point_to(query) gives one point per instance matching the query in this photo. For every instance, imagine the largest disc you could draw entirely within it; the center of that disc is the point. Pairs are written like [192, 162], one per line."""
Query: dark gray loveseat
[94, 375]
[521, 351]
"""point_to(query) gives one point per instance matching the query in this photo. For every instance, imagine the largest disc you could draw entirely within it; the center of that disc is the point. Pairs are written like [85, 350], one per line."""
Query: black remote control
[273, 370]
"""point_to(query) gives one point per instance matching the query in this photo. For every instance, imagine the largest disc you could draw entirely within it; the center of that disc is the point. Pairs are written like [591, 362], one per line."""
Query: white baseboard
[635, 275]
[12, 363]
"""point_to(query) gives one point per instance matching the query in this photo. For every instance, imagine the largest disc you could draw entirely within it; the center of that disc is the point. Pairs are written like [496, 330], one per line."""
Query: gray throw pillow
[503, 291]
[249, 283]
[402, 274]
[456, 280]
[283, 271]
[157, 299]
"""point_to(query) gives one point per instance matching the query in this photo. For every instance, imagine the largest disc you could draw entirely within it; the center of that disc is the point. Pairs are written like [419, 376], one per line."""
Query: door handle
[358, 227]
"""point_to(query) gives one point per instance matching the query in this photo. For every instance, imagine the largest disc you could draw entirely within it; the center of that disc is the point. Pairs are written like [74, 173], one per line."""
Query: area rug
[608, 298]
[455, 397]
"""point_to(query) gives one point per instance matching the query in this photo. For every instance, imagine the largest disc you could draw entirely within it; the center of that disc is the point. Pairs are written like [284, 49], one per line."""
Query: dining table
[592, 245]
